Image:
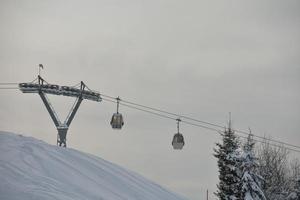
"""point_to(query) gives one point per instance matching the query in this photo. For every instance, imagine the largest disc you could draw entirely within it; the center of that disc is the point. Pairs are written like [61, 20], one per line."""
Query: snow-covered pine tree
[250, 180]
[227, 153]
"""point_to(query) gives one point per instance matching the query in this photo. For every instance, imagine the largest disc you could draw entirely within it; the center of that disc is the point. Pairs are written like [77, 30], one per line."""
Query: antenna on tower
[40, 66]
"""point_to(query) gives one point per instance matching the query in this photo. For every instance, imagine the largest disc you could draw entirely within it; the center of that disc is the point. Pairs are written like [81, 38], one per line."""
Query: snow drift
[32, 169]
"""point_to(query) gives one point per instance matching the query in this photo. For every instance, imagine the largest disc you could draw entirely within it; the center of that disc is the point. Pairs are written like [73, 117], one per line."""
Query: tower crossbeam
[43, 88]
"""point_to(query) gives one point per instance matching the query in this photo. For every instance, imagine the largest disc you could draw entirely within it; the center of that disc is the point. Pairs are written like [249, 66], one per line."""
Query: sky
[203, 59]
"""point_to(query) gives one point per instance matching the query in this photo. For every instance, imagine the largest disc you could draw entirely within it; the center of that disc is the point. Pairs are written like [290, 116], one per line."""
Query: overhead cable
[196, 120]
[217, 131]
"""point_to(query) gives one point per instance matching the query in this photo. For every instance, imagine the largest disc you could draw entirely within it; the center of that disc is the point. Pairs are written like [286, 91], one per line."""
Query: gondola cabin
[178, 141]
[117, 121]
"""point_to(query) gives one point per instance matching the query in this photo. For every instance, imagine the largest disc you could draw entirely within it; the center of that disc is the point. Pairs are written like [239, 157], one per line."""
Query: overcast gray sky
[199, 58]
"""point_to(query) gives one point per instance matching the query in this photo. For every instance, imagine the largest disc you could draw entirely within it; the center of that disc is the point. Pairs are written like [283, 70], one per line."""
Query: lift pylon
[43, 88]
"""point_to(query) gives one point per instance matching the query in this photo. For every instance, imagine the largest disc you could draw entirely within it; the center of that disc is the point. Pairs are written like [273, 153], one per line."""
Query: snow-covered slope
[32, 169]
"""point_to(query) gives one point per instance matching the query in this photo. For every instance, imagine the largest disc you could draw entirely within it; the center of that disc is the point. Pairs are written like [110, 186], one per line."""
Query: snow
[32, 169]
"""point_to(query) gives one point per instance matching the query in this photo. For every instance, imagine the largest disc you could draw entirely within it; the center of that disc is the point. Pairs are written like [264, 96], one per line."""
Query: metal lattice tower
[43, 88]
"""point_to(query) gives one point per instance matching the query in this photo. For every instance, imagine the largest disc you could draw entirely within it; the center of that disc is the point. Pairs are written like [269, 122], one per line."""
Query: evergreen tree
[250, 180]
[227, 153]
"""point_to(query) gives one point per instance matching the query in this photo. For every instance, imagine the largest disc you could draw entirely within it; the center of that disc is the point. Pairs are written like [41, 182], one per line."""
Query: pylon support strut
[62, 128]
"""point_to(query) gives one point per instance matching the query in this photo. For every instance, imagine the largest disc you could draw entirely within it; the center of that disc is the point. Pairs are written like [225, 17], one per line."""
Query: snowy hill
[32, 169]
